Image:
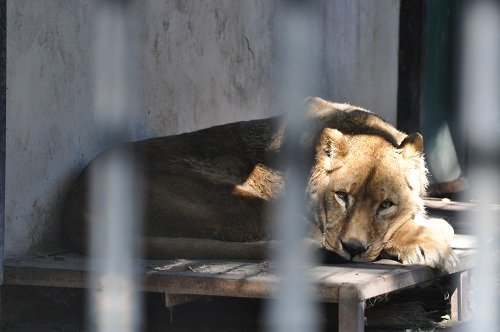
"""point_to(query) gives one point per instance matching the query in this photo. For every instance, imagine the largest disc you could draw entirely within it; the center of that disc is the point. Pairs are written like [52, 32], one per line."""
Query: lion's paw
[435, 255]
[427, 243]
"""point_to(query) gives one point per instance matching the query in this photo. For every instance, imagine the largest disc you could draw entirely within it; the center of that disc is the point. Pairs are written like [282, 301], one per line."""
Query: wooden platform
[348, 284]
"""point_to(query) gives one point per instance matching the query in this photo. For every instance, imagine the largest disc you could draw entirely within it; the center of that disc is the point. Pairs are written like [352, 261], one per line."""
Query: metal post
[3, 111]
[297, 62]
[481, 122]
[114, 303]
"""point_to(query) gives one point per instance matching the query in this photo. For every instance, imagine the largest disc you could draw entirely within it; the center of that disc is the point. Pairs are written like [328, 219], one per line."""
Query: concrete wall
[200, 63]
[206, 63]
[50, 131]
[361, 52]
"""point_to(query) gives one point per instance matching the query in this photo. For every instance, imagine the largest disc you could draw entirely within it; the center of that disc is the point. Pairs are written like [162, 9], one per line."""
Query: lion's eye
[385, 205]
[343, 196]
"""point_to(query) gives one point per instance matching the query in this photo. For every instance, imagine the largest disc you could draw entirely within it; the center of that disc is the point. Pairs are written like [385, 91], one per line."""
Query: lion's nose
[354, 247]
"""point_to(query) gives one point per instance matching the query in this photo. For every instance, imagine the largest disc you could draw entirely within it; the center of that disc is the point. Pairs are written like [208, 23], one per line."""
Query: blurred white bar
[298, 58]
[480, 102]
[113, 304]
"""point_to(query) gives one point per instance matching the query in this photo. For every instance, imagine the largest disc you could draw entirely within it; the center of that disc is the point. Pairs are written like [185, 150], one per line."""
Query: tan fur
[263, 182]
[363, 190]
[370, 170]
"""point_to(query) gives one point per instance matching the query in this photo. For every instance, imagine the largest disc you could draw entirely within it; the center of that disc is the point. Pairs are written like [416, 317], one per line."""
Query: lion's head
[362, 188]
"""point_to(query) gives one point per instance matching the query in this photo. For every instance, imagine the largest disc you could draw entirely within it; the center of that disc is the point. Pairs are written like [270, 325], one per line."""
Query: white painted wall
[201, 63]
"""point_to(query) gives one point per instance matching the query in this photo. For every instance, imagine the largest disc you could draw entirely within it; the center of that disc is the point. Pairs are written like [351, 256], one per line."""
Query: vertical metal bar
[3, 112]
[481, 122]
[114, 304]
[297, 62]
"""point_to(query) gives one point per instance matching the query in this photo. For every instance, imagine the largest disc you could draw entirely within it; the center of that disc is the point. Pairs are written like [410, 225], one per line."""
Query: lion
[207, 193]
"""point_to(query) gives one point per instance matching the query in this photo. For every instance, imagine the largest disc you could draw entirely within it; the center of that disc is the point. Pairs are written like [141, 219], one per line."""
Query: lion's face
[362, 189]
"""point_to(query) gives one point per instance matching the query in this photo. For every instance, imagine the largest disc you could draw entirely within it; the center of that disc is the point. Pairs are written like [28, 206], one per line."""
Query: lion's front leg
[424, 241]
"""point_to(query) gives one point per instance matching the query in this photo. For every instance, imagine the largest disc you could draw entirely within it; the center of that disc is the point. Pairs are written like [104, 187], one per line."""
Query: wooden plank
[52, 271]
[228, 278]
[216, 278]
[213, 278]
[211, 285]
[231, 278]
[448, 205]
[373, 279]
[172, 300]
[351, 310]
[443, 188]
[408, 276]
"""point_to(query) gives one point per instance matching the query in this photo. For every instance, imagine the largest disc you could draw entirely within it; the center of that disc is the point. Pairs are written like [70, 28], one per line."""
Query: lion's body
[218, 183]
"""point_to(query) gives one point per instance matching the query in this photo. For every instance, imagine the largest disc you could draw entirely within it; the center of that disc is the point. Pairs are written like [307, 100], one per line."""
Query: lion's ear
[412, 149]
[412, 146]
[332, 146]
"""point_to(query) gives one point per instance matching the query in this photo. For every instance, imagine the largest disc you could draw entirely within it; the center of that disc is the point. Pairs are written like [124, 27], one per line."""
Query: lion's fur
[217, 184]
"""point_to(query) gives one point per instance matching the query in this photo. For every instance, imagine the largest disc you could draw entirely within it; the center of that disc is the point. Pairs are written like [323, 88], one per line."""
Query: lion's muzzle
[354, 247]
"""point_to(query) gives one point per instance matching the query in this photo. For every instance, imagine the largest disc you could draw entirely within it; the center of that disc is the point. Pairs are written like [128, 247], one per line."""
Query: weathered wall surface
[361, 54]
[50, 131]
[200, 63]
[206, 63]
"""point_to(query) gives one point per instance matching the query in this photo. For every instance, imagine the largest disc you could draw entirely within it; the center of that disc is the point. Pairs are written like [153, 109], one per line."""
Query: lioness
[363, 190]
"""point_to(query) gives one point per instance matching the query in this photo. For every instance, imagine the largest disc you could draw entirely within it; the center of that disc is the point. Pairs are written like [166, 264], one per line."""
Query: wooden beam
[351, 310]
[172, 300]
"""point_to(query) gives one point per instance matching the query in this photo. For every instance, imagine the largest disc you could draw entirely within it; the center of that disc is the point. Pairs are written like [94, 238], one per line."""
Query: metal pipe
[113, 303]
[298, 57]
[480, 103]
